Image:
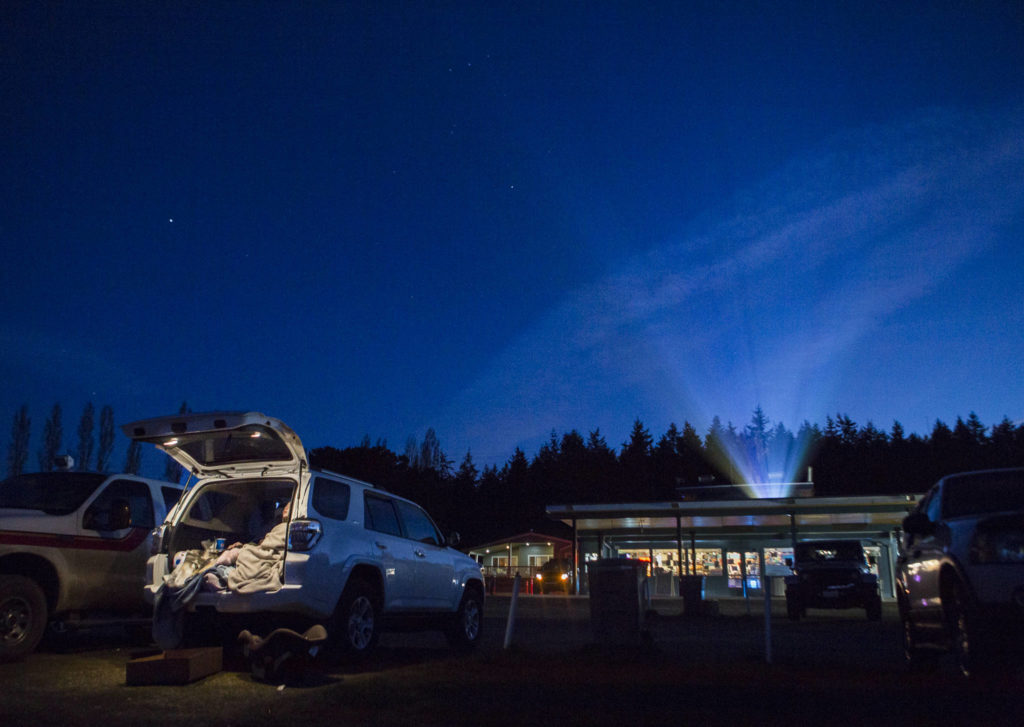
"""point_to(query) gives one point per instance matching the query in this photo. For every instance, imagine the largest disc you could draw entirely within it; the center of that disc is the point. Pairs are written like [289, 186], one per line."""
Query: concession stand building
[735, 540]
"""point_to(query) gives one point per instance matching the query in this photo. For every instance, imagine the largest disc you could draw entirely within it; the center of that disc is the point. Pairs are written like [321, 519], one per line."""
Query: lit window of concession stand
[732, 542]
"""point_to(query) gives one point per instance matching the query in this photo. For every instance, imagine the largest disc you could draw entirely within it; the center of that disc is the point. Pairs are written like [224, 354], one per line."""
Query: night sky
[503, 219]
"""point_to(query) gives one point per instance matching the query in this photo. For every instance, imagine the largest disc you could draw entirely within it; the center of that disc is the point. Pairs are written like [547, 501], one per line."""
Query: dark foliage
[846, 459]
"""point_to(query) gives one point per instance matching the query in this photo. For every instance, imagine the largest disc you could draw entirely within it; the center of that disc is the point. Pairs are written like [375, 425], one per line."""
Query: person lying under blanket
[247, 568]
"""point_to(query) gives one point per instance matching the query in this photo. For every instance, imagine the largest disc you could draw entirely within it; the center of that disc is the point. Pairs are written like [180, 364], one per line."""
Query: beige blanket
[260, 565]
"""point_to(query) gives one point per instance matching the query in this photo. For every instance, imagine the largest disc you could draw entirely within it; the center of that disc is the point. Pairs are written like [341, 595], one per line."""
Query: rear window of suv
[983, 492]
[331, 498]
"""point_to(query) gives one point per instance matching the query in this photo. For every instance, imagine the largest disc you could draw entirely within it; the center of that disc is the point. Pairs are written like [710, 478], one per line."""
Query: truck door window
[107, 510]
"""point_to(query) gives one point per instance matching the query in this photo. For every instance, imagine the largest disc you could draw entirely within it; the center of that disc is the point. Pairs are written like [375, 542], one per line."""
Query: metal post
[743, 575]
[575, 557]
[510, 626]
[679, 551]
[766, 580]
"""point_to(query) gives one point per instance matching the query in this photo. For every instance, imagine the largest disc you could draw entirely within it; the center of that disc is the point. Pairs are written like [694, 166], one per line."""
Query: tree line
[495, 501]
[94, 449]
[845, 458]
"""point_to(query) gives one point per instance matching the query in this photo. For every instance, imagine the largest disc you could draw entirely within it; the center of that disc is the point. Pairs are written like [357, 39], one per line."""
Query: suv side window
[331, 498]
[381, 515]
[417, 524]
[121, 498]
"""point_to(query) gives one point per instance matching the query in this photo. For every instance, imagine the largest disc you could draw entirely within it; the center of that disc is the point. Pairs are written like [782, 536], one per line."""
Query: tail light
[304, 534]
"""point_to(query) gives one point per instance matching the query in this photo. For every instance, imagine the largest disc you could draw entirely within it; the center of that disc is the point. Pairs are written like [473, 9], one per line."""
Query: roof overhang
[740, 517]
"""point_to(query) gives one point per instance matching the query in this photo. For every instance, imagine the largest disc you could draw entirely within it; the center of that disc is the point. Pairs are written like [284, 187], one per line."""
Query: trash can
[691, 588]
[619, 600]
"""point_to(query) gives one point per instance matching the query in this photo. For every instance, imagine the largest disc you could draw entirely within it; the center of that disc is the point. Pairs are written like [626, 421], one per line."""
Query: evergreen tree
[635, 465]
[468, 473]
[17, 452]
[1002, 444]
[666, 464]
[85, 437]
[432, 456]
[53, 436]
[133, 459]
[600, 468]
[106, 447]
[412, 452]
[756, 445]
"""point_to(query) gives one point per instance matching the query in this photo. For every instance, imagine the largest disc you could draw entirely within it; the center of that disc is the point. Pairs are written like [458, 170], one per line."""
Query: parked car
[352, 556]
[832, 574]
[555, 576]
[960, 575]
[73, 550]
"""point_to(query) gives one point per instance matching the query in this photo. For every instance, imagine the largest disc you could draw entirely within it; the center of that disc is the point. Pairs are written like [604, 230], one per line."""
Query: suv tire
[464, 631]
[918, 659]
[971, 654]
[357, 622]
[22, 617]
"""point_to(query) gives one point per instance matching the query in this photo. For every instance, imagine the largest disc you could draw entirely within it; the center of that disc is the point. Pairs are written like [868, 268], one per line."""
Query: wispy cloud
[762, 304]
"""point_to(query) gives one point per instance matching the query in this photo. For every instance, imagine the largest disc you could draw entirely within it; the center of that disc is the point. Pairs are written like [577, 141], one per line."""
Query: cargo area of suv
[258, 533]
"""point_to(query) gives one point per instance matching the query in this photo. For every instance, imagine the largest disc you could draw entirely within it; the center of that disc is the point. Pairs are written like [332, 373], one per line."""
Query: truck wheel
[464, 631]
[22, 617]
[357, 621]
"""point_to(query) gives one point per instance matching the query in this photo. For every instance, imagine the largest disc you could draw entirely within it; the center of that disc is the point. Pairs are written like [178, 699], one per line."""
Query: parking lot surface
[832, 667]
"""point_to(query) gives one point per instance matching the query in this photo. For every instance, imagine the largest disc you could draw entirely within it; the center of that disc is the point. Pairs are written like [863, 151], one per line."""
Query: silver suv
[346, 553]
[960, 574]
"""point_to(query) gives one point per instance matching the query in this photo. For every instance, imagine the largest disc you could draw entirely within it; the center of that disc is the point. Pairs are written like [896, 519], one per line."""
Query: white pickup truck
[73, 550]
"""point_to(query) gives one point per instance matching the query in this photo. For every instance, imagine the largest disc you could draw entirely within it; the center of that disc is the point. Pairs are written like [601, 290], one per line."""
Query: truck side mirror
[789, 562]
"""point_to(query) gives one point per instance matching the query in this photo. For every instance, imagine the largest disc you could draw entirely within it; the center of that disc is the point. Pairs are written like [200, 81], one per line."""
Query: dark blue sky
[499, 219]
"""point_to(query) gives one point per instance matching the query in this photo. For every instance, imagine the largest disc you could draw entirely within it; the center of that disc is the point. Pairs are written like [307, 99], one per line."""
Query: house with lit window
[521, 555]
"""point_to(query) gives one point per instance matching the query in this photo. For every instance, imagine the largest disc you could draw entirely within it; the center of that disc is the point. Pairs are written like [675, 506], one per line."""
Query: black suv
[960, 575]
[555, 576]
[832, 574]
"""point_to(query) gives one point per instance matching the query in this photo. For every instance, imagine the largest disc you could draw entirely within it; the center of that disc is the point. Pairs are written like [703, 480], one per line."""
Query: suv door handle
[381, 545]
[419, 553]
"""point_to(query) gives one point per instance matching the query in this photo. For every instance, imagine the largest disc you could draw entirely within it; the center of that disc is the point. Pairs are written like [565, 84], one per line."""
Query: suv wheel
[918, 659]
[22, 617]
[464, 631]
[969, 651]
[357, 620]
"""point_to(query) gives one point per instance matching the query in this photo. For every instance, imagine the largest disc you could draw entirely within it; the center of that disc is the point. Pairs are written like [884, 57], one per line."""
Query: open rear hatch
[227, 444]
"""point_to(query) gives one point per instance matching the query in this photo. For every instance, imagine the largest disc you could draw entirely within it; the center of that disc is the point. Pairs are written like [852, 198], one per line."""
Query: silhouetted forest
[488, 504]
[846, 459]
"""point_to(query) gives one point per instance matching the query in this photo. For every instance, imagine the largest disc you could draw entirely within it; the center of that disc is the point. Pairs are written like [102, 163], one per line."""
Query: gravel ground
[833, 667]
